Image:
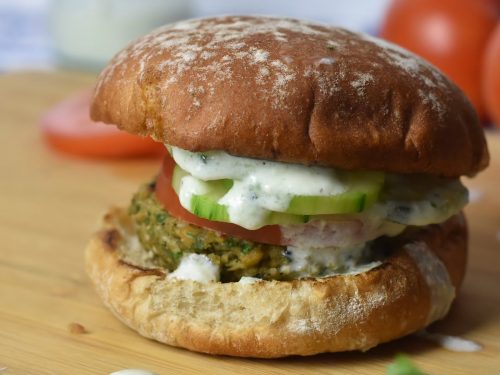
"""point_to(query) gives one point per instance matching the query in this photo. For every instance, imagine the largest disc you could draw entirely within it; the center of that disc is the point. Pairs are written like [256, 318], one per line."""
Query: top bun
[293, 91]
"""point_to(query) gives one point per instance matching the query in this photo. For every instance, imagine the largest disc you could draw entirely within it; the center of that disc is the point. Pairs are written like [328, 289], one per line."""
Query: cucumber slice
[215, 188]
[206, 206]
[177, 177]
[362, 191]
[281, 218]
[323, 205]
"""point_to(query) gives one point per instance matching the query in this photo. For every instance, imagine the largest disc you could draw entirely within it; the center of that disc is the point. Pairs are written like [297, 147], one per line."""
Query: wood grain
[50, 203]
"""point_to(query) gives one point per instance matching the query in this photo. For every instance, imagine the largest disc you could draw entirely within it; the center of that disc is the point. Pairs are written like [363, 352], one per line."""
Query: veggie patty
[170, 238]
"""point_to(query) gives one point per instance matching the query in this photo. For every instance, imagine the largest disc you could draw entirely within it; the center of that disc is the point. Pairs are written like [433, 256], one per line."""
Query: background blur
[461, 37]
[84, 34]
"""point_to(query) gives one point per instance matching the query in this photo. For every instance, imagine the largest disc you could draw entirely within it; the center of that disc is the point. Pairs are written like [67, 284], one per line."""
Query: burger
[310, 200]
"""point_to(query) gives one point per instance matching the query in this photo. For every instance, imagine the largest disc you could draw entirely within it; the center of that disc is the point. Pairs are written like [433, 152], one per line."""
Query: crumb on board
[76, 328]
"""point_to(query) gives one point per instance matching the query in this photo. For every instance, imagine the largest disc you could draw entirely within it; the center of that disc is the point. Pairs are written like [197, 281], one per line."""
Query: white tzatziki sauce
[247, 280]
[132, 371]
[435, 273]
[256, 190]
[196, 267]
[326, 261]
[261, 186]
[452, 343]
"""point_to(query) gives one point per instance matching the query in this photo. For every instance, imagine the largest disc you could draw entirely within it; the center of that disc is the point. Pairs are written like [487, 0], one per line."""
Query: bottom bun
[413, 287]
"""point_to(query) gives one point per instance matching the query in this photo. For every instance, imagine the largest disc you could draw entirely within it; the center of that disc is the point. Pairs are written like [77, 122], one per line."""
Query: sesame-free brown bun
[412, 288]
[294, 91]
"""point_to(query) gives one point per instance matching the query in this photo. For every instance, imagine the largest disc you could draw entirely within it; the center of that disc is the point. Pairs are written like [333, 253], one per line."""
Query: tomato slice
[269, 234]
[68, 128]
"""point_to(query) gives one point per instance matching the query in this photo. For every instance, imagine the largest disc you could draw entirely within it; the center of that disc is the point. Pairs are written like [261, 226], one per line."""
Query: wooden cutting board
[49, 205]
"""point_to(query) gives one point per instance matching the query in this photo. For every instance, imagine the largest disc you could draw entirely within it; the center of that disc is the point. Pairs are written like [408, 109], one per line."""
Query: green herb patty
[170, 238]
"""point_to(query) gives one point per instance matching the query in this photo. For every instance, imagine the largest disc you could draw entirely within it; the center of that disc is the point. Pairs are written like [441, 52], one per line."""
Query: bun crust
[293, 91]
[270, 319]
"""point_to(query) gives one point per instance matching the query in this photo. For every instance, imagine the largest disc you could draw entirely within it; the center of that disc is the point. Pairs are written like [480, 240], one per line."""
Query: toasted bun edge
[269, 319]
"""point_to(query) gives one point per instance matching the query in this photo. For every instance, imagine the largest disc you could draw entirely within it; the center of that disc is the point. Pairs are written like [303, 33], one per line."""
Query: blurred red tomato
[68, 128]
[494, 4]
[451, 34]
[491, 76]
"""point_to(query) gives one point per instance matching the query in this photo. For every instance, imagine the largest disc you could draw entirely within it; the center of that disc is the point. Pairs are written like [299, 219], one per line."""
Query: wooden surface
[49, 205]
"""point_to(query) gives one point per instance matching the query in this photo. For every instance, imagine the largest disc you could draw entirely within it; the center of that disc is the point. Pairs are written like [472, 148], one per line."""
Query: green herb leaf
[199, 245]
[246, 248]
[161, 217]
[177, 256]
[230, 242]
[403, 366]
